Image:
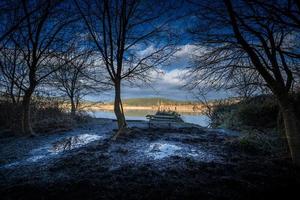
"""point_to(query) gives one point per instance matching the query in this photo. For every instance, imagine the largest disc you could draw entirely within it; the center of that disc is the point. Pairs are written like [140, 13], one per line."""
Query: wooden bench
[163, 120]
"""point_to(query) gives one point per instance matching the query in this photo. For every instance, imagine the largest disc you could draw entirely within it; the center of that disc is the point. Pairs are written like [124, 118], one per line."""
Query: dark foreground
[184, 163]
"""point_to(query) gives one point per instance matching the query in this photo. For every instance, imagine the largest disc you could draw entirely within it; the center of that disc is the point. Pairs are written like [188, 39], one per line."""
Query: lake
[195, 118]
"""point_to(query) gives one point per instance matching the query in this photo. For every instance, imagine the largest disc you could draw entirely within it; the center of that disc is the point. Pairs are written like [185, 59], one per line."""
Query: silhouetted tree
[78, 78]
[42, 41]
[232, 35]
[132, 37]
[12, 73]
[12, 16]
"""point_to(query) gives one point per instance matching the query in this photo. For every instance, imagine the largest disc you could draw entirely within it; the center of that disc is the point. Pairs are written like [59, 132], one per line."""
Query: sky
[167, 84]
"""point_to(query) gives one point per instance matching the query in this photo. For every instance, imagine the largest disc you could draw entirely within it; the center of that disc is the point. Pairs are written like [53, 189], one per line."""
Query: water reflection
[73, 142]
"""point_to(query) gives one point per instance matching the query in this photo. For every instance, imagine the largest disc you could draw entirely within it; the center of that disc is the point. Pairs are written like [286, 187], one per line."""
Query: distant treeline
[153, 102]
[156, 101]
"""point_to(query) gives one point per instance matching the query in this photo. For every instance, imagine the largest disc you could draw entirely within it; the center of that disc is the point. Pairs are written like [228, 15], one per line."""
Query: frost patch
[35, 158]
[203, 156]
[67, 143]
[162, 150]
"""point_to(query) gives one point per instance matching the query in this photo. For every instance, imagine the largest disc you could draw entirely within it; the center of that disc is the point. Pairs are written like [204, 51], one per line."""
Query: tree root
[121, 131]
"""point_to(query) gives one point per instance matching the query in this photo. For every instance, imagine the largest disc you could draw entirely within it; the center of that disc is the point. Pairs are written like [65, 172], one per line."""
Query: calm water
[194, 118]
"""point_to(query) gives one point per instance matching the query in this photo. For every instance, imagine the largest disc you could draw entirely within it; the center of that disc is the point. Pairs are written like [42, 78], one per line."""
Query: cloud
[186, 50]
[146, 51]
[173, 77]
[184, 56]
[168, 83]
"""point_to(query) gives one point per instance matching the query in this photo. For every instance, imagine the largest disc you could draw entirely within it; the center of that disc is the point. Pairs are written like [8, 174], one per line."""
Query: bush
[259, 112]
[256, 142]
[82, 117]
[223, 116]
[10, 115]
[46, 116]
[258, 115]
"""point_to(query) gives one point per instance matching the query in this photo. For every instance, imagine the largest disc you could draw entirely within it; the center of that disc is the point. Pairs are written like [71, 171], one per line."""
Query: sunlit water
[194, 118]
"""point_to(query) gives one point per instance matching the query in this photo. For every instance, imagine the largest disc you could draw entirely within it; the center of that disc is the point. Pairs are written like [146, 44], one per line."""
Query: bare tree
[206, 105]
[78, 78]
[235, 35]
[132, 38]
[12, 73]
[12, 17]
[41, 42]
[282, 12]
[247, 84]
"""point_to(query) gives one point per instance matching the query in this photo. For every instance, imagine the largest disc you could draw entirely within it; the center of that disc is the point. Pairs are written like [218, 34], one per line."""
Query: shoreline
[186, 109]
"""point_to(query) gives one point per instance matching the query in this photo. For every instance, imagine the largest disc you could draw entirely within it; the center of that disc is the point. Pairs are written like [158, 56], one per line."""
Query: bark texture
[292, 130]
[118, 107]
[26, 119]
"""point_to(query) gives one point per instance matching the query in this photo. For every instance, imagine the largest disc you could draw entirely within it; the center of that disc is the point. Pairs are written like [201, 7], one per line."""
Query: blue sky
[168, 84]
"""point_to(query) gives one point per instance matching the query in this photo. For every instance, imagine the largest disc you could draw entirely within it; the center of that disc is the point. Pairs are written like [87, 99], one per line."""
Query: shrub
[262, 115]
[10, 115]
[258, 112]
[256, 142]
[223, 116]
[46, 116]
[82, 117]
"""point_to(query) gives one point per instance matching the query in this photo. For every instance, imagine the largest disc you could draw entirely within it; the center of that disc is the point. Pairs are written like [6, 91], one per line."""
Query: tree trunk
[118, 109]
[26, 121]
[292, 131]
[12, 96]
[73, 107]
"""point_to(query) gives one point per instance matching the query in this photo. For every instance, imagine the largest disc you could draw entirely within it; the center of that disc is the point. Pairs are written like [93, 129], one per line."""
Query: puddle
[73, 142]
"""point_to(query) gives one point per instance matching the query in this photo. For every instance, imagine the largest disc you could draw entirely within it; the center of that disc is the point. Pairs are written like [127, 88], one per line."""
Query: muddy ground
[145, 163]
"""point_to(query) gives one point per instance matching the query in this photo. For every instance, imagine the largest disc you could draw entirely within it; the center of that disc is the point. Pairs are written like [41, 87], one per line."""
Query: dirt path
[146, 163]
